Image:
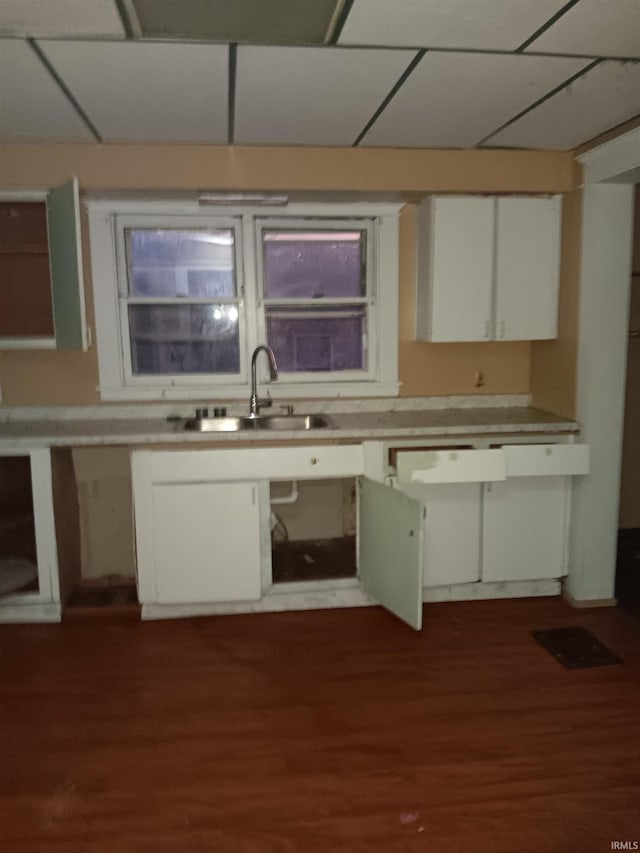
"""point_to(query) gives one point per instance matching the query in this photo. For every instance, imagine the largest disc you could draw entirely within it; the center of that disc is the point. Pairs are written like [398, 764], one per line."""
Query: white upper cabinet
[527, 268]
[41, 282]
[488, 268]
[455, 268]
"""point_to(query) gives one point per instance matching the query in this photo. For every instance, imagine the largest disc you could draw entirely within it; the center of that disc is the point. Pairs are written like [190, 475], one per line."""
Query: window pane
[323, 339]
[314, 264]
[184, 339]
[194, 263]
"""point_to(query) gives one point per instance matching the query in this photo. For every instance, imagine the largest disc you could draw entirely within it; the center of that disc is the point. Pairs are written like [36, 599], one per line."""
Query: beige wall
[362, 170]
[70, 378]
[554, 363]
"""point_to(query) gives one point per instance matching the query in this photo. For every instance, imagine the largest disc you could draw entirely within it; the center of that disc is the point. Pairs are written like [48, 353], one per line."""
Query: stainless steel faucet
[254, 403]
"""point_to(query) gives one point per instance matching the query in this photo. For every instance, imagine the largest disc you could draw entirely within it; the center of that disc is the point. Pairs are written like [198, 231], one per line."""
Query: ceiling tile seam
[539, 102]
[129, 18]
[391, 95]
[338, 23]
[393, 48]
[552, 20]
[66, 91]
[231, 97]
[543, 54]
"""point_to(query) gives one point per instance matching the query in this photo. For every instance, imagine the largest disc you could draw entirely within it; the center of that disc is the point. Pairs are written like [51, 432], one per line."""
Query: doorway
[628, 557]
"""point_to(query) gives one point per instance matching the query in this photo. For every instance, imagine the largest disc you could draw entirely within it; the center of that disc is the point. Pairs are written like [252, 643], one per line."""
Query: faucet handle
[265, 402]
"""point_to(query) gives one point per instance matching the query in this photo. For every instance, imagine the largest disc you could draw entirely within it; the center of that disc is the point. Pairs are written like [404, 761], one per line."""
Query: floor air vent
[576, 648]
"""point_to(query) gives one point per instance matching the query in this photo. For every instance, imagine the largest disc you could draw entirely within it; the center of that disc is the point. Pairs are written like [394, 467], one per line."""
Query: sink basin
[266, 422]
[285, 422]
[220, 424]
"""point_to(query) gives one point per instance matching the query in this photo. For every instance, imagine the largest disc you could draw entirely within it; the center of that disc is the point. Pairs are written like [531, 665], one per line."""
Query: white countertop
[355, 426]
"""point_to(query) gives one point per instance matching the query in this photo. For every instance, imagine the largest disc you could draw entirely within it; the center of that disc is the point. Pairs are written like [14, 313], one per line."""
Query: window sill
[27, 343]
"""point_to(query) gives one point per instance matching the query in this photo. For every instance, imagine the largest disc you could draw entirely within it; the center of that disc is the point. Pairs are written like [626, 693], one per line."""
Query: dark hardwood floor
[333, 730]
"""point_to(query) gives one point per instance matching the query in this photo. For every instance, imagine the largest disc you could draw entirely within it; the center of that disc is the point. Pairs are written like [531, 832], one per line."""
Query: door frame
[610, 172]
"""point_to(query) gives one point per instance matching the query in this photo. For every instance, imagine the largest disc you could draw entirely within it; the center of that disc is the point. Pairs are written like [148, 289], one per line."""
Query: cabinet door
[451, 552]
[65, 259]
[205, 542]
[455, 278]
[527, 268]
[524, 531]
[390, 554]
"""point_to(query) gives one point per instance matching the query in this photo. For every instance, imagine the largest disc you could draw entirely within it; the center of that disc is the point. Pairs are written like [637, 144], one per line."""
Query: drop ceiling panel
[475, 24]
[595, 28]
[283, 21]
[311, 96]
[32, 105]
[153, 92]
[604, 97]
[453, 100]
[64, 18]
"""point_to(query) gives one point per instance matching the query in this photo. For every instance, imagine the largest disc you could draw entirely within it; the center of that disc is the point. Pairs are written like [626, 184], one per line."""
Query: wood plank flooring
[336, 730]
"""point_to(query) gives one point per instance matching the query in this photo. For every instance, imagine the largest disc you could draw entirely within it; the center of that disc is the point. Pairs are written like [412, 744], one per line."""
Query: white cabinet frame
[43, 605]
[66, 271]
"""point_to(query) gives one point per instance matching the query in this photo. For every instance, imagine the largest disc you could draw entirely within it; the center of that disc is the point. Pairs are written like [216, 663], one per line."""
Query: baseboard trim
[315, 599]
[27, 613]
[583, 604]
[485, 591]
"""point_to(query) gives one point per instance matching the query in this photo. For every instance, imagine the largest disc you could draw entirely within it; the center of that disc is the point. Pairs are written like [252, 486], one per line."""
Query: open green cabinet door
[391, 533]
[65, 260]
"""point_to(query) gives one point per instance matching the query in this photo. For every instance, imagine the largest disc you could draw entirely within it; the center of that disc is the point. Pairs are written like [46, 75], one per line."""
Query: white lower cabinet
[525, 529]
[390, 549]
[29, 580]
[203, 524]
[512, 527]
[206, 543]
[197, 539]
[452, 532]
[201, 540]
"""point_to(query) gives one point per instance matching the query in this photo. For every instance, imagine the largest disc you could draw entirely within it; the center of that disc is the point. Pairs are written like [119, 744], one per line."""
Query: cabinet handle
[314, 460]
[502, 328]
[486, 328]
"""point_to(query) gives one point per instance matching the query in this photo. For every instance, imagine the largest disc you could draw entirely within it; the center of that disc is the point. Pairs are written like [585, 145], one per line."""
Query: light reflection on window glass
[168, 339]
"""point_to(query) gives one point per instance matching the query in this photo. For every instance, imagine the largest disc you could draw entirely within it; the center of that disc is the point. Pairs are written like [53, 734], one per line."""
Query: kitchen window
[183, 296]
[316, 296]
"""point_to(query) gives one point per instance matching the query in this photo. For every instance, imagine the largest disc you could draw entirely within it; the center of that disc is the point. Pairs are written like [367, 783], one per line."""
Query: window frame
[106, 233]
[166, 222]
[298, 223]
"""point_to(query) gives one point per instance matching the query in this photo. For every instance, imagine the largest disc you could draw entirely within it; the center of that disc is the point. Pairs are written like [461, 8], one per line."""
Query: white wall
[602, 350]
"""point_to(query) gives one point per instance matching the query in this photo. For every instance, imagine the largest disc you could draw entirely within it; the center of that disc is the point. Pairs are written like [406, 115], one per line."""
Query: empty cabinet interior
[313, 530]
[18, 557]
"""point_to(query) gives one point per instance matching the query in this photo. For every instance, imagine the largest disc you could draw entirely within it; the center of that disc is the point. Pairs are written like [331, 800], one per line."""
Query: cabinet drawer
[541, 460]
[273, 463]
[311, 462]
[450, 466]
